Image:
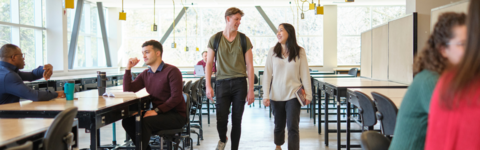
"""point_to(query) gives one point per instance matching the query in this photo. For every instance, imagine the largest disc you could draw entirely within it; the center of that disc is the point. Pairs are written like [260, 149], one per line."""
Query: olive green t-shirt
[230, 58]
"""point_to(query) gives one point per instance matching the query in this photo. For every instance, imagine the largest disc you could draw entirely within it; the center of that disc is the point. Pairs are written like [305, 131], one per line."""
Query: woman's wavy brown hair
[430, 57]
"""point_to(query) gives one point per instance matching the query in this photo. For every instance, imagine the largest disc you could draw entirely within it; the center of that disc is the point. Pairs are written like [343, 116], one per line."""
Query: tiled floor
[257, 133]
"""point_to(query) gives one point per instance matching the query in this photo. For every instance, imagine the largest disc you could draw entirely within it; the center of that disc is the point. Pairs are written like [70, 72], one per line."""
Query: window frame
[38, 28]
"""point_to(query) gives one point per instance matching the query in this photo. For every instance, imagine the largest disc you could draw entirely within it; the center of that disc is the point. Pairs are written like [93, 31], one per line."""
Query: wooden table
[334, 76]
[94, 112]
[337, 87]
[17, 131]
[314, 86]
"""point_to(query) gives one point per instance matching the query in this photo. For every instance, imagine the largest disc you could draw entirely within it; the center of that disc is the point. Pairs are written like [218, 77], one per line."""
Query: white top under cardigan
[286, 77]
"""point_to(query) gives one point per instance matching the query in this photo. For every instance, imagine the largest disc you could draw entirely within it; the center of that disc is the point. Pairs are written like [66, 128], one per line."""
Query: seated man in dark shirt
[203, 62]
[164, 84]
[12, 87]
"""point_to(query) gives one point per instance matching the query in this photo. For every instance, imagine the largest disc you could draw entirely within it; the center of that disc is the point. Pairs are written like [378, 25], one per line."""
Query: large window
[90, 51]
[210, 21]
[352, 21]
[22, 24]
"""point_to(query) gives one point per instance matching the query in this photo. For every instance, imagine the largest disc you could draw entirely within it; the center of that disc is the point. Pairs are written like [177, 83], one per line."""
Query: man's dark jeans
[230, 92]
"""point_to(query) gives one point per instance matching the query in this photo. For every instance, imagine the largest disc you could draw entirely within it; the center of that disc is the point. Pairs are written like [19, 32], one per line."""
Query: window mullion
[15, 16]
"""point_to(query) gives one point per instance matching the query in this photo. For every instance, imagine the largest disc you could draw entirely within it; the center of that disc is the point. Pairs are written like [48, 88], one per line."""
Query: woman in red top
[454, 121]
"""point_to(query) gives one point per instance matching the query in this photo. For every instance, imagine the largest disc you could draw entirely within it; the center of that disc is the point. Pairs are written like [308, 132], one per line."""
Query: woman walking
[286, 70]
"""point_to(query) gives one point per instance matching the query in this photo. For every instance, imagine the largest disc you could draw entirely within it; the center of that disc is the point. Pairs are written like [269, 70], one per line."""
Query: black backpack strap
[218, 37]
[243, 42]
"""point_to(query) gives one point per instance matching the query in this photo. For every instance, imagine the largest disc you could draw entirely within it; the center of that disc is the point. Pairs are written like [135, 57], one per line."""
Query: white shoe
[221, 145]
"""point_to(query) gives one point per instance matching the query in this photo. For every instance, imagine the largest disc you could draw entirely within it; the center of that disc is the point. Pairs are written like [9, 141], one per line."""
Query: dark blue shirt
[12, 87]
[158, 69]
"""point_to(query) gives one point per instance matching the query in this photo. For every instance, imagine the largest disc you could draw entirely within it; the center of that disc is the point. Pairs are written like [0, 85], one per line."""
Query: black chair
[59, 135]
[372, 140]
[367, 109]
[175, 135]
[353, 72]
[386, 113]
[260, 91]
[196, 106]
[26, 146]
[186, 87]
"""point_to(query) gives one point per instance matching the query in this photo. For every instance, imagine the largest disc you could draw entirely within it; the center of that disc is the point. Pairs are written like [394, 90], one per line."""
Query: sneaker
[221, 145]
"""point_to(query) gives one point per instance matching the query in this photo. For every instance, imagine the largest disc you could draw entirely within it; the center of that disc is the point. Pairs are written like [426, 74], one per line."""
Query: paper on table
[120, 94]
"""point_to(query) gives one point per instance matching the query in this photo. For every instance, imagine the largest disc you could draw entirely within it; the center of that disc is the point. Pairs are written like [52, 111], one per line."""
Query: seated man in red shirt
[164, 84]
[203, 62]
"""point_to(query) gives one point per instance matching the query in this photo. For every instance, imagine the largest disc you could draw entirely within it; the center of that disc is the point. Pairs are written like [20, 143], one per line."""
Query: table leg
[327, 97]
[208, 110]
[94, 136]
[138, 128]
[348, 123]
[339, 140]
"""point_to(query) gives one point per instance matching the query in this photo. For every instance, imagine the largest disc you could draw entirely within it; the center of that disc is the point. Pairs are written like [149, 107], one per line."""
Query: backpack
[218, 37]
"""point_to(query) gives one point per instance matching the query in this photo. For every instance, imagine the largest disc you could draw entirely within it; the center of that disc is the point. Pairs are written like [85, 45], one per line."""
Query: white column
[330, 37]
[56, 24]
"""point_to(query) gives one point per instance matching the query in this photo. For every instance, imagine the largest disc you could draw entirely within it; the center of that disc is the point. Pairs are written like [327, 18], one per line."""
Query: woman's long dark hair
[468, 69]
[292, 47]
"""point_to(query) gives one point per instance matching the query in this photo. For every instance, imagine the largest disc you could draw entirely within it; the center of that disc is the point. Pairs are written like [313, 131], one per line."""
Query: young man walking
[232, 52]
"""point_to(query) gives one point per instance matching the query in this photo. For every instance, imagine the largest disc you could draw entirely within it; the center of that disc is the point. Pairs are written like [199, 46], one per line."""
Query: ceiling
[223, 3]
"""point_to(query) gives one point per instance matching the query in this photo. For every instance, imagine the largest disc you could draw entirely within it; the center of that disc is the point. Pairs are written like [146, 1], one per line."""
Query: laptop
[199, 70]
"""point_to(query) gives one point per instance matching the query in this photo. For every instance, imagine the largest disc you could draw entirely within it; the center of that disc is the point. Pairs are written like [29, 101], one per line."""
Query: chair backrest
[386, 113]
[353, 71]
[194, 91]
[255, 81]
[26, 146]
[187, 101]
[367, 109]
[372, 140]
[200, 86]
[186, 87]
[58, 135]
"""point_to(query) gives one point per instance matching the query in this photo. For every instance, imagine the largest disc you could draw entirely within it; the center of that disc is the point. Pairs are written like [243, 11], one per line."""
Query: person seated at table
[444, 49]
[11, 79]
[203, 62]
[164, 84]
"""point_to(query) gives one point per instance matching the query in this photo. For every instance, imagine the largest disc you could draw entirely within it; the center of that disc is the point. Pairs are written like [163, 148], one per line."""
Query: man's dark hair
[7, 50]
[157, 46]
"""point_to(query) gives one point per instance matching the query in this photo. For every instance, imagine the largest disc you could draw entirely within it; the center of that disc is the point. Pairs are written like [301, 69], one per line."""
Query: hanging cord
[297, 2]
[153, 12]
[293, 13]
[122, 5]
[186, 33]
[196, 25]
[173, 21]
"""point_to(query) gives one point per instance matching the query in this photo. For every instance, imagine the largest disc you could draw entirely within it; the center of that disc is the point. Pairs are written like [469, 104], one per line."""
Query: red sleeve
[176, 91]
[134, 86]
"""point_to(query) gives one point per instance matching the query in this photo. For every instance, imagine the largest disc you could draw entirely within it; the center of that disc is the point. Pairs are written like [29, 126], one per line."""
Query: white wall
[423, 8]
[114, 35]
